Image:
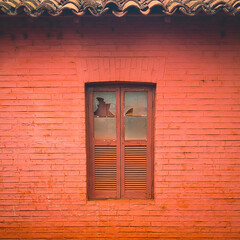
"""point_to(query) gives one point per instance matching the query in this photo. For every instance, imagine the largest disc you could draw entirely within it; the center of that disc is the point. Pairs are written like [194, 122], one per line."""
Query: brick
[43, 178]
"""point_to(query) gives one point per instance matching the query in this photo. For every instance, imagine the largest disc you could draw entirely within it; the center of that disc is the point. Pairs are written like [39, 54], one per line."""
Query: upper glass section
[104, 115]
[136, 104]
[135, 115]
[104, 104]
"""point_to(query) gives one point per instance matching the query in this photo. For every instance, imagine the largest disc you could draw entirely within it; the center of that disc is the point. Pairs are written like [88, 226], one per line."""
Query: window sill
[121, 201]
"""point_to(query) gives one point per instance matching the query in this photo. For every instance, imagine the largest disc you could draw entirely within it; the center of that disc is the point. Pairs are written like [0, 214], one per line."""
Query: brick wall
[44, 64]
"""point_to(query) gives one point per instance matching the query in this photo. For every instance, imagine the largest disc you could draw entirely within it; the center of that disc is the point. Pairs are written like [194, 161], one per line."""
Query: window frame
[120, 141]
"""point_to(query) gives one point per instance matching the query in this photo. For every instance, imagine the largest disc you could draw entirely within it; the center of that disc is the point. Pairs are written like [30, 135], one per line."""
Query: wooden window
[120, 141]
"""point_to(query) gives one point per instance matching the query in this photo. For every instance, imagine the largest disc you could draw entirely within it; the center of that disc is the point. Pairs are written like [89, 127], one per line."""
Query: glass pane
[135, 128]
[104, 128]
[105, 104]
[135, 104]
[135, 115]
[104, 115]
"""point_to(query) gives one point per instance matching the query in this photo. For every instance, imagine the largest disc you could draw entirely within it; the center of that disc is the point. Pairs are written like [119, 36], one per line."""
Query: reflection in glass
[135, 104]
[104, 115]
[135, 115]
[104, 104]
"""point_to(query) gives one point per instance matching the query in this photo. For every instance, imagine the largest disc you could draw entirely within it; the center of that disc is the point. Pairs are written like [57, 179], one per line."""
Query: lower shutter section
[134, 179]
[135, 169]
[105, 168]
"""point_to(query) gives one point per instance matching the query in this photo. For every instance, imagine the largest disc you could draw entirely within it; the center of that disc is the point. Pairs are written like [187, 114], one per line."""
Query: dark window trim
[90, 87]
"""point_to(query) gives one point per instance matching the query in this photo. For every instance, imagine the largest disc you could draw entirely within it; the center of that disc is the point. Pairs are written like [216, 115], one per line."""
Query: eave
[118, 8]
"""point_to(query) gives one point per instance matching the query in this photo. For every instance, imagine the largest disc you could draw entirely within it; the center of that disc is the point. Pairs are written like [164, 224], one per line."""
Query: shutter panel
[105, 168]
[120, 166]
[135, 169]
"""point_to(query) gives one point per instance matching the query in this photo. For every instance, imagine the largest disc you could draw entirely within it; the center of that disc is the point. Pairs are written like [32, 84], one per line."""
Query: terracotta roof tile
[119, 7]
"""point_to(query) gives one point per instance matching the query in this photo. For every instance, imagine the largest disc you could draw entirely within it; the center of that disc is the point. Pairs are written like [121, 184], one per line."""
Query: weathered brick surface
[44, 65]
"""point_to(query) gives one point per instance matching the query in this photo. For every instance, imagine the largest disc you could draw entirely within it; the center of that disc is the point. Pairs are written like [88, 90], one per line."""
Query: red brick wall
[44, 64]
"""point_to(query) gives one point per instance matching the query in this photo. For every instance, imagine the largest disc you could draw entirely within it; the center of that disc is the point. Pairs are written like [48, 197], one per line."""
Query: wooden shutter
[103, 172]
[135, 168]
[136, 155]
[119, 168]
[105, 168]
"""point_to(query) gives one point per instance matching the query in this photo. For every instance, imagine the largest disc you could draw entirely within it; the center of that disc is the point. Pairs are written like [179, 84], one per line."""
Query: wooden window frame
[120, 141]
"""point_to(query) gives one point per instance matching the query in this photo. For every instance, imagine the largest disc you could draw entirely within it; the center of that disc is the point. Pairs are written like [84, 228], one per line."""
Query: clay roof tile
[119, 7]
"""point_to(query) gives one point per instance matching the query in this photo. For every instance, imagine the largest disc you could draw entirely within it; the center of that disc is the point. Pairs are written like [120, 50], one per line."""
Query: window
[120, 141]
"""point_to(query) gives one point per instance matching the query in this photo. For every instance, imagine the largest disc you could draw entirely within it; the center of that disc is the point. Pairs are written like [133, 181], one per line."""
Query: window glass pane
[135, 112]
[104, 104]
[105, 128]
[135, 128]
[104, 115]
[135, 104]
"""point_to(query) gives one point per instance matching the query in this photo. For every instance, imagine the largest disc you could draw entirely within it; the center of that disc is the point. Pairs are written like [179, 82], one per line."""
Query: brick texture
[44, 65]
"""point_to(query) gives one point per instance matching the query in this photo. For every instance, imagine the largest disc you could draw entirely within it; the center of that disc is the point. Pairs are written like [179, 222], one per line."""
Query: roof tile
[99, 7]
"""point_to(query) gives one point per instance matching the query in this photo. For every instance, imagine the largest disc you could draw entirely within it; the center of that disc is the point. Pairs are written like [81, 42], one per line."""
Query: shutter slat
[135, 168]
[105, 168]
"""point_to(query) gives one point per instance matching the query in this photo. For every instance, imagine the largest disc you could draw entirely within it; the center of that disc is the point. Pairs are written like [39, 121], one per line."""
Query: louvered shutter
[135, 169]
[105, 168]
[136, 174]
[103, 182]
[119, 168]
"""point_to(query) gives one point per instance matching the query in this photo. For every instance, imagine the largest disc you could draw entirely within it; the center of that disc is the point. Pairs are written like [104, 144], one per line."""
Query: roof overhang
[119, 8]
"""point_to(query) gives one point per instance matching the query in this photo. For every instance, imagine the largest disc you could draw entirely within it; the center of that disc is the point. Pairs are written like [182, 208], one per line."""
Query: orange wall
[44, 64]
